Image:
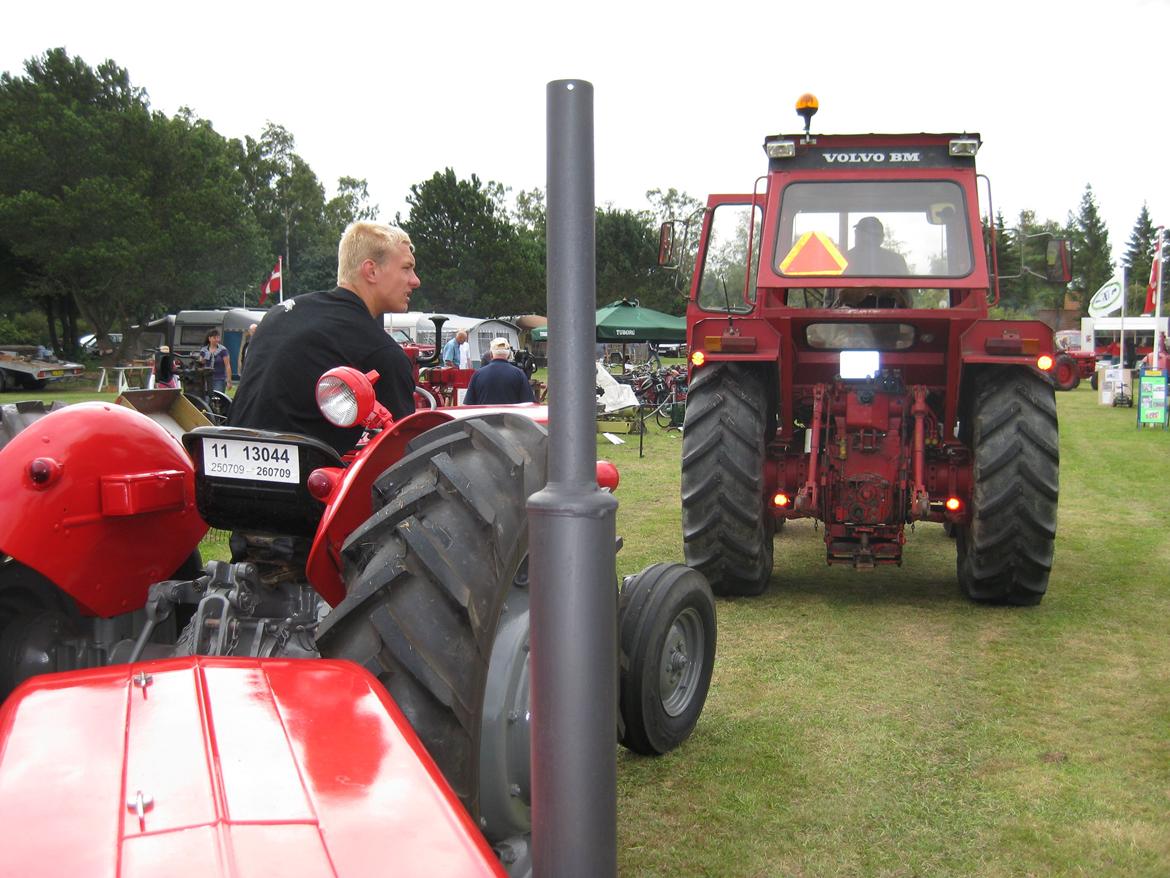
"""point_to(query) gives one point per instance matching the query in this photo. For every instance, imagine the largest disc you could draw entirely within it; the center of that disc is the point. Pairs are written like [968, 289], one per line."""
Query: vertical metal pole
[1158, 295]
[572, 534]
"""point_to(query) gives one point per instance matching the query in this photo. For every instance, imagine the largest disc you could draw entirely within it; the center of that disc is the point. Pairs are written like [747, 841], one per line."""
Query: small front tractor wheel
[1066, 374]
[1093, 381]
[1005, 550]
[427, 579]
[727, 526]
[666, 624]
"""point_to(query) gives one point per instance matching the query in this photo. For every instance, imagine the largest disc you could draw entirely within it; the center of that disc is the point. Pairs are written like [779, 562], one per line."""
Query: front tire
[1066, 374]
[727, 527]
[666, 622]
[1005, 551]
[427, 577]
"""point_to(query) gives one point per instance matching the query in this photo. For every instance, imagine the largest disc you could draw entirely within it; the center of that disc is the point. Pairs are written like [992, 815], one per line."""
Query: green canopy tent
[626, 322]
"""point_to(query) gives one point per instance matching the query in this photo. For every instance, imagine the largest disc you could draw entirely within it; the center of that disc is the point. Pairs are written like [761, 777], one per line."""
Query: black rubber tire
[1005, 551]
[664, 412]
[427, 574]
[727, 526]
[666, 625]
[15, 417]
[26, 595]
[1093, 380]
[1066, 374]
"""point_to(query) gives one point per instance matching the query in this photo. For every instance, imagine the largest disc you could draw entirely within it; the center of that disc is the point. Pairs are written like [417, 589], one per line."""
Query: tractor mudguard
[100, 499]
[224, 766]
[350, 502]
[1007, 342]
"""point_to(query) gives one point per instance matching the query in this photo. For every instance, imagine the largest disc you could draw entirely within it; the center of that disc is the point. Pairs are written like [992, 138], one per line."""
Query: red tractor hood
[242, 767]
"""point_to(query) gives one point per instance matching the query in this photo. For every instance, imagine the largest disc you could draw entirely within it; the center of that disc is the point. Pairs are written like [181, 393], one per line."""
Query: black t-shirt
[298, 342]
[498, 383]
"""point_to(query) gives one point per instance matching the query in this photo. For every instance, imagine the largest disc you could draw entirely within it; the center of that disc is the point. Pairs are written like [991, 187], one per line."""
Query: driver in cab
[868, 256]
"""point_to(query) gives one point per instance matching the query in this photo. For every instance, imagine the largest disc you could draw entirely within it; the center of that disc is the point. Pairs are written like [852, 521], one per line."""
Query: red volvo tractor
[844, 368]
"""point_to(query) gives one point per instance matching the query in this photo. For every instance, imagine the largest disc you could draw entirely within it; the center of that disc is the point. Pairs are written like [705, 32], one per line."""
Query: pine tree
[1094, 259]
[1139, 254]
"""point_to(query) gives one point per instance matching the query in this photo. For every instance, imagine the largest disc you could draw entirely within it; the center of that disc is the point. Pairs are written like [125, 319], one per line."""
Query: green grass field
[878, 724]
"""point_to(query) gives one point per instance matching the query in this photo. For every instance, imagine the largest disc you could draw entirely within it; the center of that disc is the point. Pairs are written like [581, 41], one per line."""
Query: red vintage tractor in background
[162, 716]
[843, 368]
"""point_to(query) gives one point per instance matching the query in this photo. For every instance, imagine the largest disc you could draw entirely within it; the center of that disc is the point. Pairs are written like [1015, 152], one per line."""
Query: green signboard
[1152, 399]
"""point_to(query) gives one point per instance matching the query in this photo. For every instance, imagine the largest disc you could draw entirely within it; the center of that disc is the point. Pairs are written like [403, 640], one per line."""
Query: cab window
[726, 260]
[913, 229]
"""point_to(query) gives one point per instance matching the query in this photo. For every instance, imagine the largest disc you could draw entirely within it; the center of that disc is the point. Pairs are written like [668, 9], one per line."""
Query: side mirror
[666, 243]
[1058, 261]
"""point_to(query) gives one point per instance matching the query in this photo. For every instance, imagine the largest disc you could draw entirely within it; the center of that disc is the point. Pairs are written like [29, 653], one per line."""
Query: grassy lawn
[878, 724]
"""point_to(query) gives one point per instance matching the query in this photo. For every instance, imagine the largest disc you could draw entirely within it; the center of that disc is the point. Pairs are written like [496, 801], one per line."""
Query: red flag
[1155, 267]
[272, 285]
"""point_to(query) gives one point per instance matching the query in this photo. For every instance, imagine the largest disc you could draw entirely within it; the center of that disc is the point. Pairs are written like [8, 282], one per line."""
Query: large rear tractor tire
[436, 602]
[666, 623]
[1066, 374]
[1005, 552]
[16, 416]
[727, 526]
[35, 619]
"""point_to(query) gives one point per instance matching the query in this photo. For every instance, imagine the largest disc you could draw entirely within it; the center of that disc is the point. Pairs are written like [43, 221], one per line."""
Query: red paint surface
[119, 516]
[255, 767]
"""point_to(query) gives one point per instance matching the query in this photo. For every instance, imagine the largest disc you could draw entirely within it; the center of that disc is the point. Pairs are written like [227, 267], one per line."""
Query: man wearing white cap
[499, 382]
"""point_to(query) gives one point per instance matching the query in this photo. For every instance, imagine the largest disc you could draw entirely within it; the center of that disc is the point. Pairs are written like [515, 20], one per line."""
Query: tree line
[1023, 294]
[113, 214]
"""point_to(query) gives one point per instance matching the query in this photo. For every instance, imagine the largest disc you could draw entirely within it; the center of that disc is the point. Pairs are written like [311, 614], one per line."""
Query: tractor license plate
[254, 461]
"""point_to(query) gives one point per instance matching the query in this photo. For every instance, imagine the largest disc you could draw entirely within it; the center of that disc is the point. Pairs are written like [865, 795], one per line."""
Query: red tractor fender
[349, 502]
[99, 499]
[224, 766]
[1014, 342]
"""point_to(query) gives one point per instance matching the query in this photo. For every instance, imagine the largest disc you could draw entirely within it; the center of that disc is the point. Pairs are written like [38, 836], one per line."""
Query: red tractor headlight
[1044, 363]
[345, 396]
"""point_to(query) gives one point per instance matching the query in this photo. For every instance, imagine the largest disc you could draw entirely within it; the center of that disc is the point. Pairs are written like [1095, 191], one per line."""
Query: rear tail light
[954, 504]
[781, 500]
[321, 483]
[1044, 363]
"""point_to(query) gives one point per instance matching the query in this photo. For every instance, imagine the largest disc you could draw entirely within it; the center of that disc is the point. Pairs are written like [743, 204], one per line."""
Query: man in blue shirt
[499, 382]
[452, 349]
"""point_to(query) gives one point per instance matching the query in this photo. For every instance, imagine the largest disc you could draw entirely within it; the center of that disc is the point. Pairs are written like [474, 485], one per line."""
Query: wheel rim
[680, 664]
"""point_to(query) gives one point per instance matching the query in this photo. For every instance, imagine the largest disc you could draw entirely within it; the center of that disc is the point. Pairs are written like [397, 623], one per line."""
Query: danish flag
[1155, 270]
[272, 285]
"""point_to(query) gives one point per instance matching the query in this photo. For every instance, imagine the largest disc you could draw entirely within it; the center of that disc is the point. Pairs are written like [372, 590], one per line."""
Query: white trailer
[30, 367]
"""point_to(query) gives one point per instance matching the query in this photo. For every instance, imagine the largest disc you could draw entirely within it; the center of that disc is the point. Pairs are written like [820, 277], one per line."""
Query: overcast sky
[1063, 94]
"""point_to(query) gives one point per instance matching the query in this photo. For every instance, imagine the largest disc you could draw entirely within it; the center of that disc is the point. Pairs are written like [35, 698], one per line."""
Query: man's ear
[369, 271]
